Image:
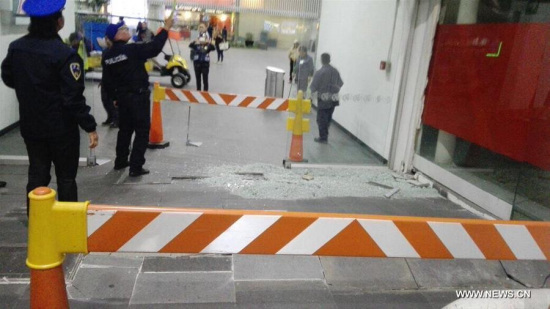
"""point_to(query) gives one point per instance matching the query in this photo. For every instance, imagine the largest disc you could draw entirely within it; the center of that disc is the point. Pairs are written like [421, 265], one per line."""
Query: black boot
[139, 172]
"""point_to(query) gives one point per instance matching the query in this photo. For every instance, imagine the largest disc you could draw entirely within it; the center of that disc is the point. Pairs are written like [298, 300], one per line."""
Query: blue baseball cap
[112, 29]
[41, 8]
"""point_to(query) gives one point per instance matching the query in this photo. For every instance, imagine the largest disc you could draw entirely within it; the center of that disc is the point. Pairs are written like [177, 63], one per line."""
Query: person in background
[210, 31]
[74, 42]
[201, 48]
[292, 56]
[48, 79]
[326, 84]
[77, 43]
[224, 33]
[303, 69]
[76, 38]
[218, 38]
[139, 28]
[144, 33]
[87, 43]
[108, 104]
[127, 83]
[110, 108]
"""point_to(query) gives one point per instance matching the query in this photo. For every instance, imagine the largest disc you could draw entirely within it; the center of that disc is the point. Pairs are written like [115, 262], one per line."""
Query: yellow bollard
[298, 126]
[55, 228]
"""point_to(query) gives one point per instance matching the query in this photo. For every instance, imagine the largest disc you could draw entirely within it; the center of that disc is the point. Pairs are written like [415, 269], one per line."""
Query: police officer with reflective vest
[48, 79]
[127, 82]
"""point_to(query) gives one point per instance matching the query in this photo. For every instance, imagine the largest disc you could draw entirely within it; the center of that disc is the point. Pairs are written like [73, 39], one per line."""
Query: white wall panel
[357, 34]
[9, 108]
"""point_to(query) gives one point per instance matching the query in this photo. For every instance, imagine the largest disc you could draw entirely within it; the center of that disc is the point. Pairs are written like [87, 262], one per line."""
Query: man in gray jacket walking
[326, 84]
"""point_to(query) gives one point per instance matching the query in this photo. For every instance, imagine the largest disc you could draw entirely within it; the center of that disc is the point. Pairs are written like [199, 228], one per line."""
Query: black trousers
[201, 69]
[324, 117]
[63, 153]
[134, 116]
[220, 53]
[291, 68]
[110, 108]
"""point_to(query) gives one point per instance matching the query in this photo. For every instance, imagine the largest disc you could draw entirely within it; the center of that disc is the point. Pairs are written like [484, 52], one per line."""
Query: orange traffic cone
[48, 288]
[296, 148]
[156, 136]
[43, 259]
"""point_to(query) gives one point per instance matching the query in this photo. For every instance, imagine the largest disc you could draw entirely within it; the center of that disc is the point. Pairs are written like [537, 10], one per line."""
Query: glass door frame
[407, 131]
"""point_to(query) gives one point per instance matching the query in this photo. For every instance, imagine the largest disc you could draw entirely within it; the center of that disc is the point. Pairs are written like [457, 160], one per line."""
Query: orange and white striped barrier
[140, 229]
[224, 99]
[57, 228]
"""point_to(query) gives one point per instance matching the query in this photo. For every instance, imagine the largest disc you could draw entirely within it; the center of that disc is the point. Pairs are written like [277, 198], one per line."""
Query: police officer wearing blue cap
[127, 82]
[47, 76]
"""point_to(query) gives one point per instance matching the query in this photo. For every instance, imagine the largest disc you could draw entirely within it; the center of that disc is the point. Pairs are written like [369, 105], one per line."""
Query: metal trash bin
[274, 82]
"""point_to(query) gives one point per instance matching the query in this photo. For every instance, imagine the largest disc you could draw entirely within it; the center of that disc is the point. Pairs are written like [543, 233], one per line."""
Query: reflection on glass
[489, 97]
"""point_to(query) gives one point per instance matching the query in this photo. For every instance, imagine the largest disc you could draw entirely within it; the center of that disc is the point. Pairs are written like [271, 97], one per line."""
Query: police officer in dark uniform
[127, 82]
[47, 76]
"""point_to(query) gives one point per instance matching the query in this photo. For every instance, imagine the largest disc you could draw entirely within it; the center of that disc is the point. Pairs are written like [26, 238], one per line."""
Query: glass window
[487, 107]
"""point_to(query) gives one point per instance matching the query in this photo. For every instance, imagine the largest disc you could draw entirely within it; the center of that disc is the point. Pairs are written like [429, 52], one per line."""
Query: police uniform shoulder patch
[75, 70]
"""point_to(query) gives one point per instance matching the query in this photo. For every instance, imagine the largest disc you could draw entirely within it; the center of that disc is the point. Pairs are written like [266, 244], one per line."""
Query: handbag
[224, 45]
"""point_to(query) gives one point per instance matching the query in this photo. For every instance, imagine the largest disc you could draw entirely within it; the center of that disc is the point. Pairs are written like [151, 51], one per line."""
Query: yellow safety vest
[82, 54]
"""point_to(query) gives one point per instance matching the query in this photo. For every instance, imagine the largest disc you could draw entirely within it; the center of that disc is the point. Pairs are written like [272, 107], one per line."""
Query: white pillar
[69, 16]
[445, 148]
[156, 11]
[467, 14]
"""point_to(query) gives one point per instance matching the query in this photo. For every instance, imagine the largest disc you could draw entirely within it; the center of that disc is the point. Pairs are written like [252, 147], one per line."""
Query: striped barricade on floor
[56, 228]
[169, 230]
[235, 100]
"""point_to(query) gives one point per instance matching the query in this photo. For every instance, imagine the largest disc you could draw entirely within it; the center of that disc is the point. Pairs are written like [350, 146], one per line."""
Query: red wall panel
[501, 102]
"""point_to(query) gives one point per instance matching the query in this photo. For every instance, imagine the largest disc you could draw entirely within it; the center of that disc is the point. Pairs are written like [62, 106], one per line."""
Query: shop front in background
[189, 18]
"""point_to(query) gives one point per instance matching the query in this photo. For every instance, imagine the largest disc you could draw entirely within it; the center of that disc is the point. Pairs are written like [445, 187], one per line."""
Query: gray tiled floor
[198, 263]
[460, 273]
[279, 294]
[113, 283]
[262, 267]
[359, 275]
[182, 288]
